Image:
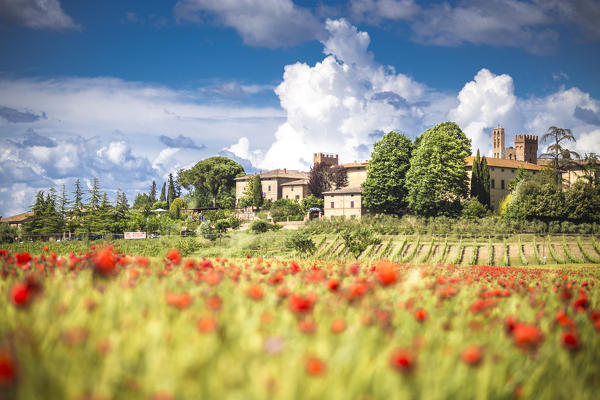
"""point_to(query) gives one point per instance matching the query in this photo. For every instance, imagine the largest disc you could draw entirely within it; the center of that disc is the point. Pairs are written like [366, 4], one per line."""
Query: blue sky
[131, 90]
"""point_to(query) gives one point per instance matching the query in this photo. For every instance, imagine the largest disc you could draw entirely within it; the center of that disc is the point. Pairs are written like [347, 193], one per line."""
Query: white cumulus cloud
[36, 14]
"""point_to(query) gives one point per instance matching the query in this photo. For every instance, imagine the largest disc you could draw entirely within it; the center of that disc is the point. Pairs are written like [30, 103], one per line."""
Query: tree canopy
[212, 174]
[437, 180]
[560, 156]
[384, 190]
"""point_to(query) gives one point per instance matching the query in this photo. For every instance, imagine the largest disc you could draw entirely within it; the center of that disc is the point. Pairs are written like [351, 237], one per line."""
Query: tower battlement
[526, 139]
[525, 149]
[327, 159]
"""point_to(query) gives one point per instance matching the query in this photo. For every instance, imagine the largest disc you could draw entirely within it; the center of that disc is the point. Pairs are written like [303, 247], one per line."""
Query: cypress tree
[485, 180]
[153, 192]
[171, 192]
[163, 196]
[476, 176]
[257, 193]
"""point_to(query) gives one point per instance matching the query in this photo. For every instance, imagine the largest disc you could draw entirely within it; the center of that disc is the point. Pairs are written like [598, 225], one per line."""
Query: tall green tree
[561, 158]
[171, 191]
[384, 190]
[153, 192]
[78, 196]
[215, 174]
[484, 197]
[480, 180]
[437, 180]
[163, 196]
[257, 192]
[592, 169]
[94, 194]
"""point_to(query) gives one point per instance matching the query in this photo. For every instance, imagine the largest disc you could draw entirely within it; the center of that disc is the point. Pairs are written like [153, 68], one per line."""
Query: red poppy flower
[471, 355]
[255, 292]
[45, 248]
[306, 326]
[315, 366]
[420, 315]
[105, 261]
[527, 336]
[179, 301]
[402, 360]
[174, 256]
[338, 325]
[20, 294]
[207, 324]
[23, 258]
[386, 273]
[333, 285]
[8, 368]
[570, 341]
[302, 304]
[214, 302]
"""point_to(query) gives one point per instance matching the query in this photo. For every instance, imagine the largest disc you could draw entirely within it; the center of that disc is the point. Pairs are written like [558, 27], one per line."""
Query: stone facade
[295, 190]
[346, 202]
[356, 173]
[272, 183]
[501, 173]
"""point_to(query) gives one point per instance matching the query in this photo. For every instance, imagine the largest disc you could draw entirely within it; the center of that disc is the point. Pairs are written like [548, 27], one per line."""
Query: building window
[332, 205]
[352, 204]
[500, 170]
[286, 196]
[269, 188]
[502, 184]
[493, 184]
[492, 169]
[297, 197]
[512, 170]
[292, 188]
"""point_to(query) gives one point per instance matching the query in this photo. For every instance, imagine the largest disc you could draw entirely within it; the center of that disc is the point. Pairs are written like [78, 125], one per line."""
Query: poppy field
[101, 324]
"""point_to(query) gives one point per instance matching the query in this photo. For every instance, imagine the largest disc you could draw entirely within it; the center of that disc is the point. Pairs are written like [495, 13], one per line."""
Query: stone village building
[347, 201]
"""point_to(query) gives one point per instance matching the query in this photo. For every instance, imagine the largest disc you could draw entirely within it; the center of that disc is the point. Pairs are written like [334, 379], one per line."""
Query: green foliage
[522, 253]
[283, 208]
[8, 233]
[398, 254]
[160, 205]
[552, 251]
[473, 209]
[561, 158]
[311, 201]
[384, 190]
[427, 254]
[588, 256]
[358, 239]
[257, 192]
[442, 255]
[474, 254]
[569, 255]
[413, 252]
[437, 180]
[460, 251]
[176, 206]
[142, 201]
[521, 175]
[302, 242]
[213, 174]
[480, 180]
[163, 196]
[538, 258]
[261, 226]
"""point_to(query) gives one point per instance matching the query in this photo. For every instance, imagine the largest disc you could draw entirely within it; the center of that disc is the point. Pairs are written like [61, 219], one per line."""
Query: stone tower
[498, 143]
[526, 147]
[327, 159]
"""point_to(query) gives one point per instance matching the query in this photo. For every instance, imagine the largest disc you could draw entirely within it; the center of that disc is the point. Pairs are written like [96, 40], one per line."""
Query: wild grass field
[106, 324]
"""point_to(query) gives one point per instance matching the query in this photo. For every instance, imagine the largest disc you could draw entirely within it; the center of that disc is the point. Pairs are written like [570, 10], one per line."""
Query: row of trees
[426, 177]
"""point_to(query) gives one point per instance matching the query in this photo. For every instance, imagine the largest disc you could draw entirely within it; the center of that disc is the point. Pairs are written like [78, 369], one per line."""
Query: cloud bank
[36, 14]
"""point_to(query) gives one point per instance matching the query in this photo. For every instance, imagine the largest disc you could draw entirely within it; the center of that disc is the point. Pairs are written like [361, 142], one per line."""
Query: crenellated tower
[327, 159]
[526, 147]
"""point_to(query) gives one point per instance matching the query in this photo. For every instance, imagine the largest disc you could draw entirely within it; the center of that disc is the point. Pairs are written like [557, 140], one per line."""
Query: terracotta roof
[346, 190]
[296, 183]
[277, 173]
[503, 163]
[18, 218]
[356, 164]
